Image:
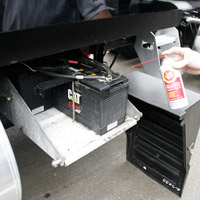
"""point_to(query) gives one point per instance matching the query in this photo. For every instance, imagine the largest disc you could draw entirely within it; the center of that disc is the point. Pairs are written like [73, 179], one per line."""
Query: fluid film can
[173, 85]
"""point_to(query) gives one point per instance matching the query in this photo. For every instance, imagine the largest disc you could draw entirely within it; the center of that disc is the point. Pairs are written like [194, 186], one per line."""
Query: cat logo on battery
[77, 100]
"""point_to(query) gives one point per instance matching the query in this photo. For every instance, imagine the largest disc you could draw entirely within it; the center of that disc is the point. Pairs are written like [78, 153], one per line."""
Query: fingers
[180, 64]
[175, 50]
[187, 60]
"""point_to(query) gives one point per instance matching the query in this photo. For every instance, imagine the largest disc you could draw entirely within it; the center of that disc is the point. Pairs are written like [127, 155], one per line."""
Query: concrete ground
[104, 174]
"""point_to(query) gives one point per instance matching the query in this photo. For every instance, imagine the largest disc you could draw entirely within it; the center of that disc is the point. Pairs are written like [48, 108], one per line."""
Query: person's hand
[188, 61]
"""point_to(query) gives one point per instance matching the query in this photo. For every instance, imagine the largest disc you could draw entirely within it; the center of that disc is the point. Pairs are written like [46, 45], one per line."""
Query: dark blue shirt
[23, 14]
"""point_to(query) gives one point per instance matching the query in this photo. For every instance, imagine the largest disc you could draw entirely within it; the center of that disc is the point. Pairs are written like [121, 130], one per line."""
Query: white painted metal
[72, 139]
[193, 20]
[183, 5]
[170, 36]
[21, 116]
[10, 184]
[132, 111]
[196, 44]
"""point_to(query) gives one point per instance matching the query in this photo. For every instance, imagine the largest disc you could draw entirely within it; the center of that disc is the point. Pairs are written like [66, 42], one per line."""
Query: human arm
[187, 60]
[102, 14]
[93, 9]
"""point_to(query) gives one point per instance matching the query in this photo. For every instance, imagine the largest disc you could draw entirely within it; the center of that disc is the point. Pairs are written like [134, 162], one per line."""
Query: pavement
[104, 174]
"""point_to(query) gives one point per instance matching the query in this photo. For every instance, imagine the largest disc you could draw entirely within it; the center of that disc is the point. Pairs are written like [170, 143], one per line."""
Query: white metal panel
[72, 139]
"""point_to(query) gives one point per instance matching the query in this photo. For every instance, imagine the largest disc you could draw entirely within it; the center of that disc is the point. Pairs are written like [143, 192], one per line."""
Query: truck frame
[98, 35]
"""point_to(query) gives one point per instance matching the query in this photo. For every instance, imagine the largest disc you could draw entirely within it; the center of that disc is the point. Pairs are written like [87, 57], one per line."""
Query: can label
[173, 85]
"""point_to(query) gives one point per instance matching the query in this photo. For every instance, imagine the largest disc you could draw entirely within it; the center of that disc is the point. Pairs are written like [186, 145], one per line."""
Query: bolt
[8, 98]
[144, 167]
[55, 163]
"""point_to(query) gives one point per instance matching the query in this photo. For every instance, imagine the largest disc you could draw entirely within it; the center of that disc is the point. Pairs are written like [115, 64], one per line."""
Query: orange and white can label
[173, 85]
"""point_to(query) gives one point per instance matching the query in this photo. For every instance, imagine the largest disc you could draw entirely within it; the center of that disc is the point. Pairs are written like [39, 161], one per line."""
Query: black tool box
[25, 81]
[162, 142]
[99, 105]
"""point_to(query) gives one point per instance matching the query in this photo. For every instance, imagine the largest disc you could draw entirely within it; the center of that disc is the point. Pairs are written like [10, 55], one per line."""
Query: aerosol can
[173, 84]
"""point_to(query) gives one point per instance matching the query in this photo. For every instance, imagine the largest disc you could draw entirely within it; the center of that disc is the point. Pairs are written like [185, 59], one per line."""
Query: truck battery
[101, 106]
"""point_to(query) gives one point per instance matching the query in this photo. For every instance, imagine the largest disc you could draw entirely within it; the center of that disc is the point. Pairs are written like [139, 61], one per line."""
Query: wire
[88, 61]
[72, 76]
[191, 28]
[116, 55]
[59, 68]
[86, 65]
[119, 75]
[53, 74]
[33, 70]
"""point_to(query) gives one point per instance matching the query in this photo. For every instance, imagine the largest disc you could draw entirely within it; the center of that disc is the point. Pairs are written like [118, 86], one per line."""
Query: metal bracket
[20, 115]
[132, 111]
[148, 47]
